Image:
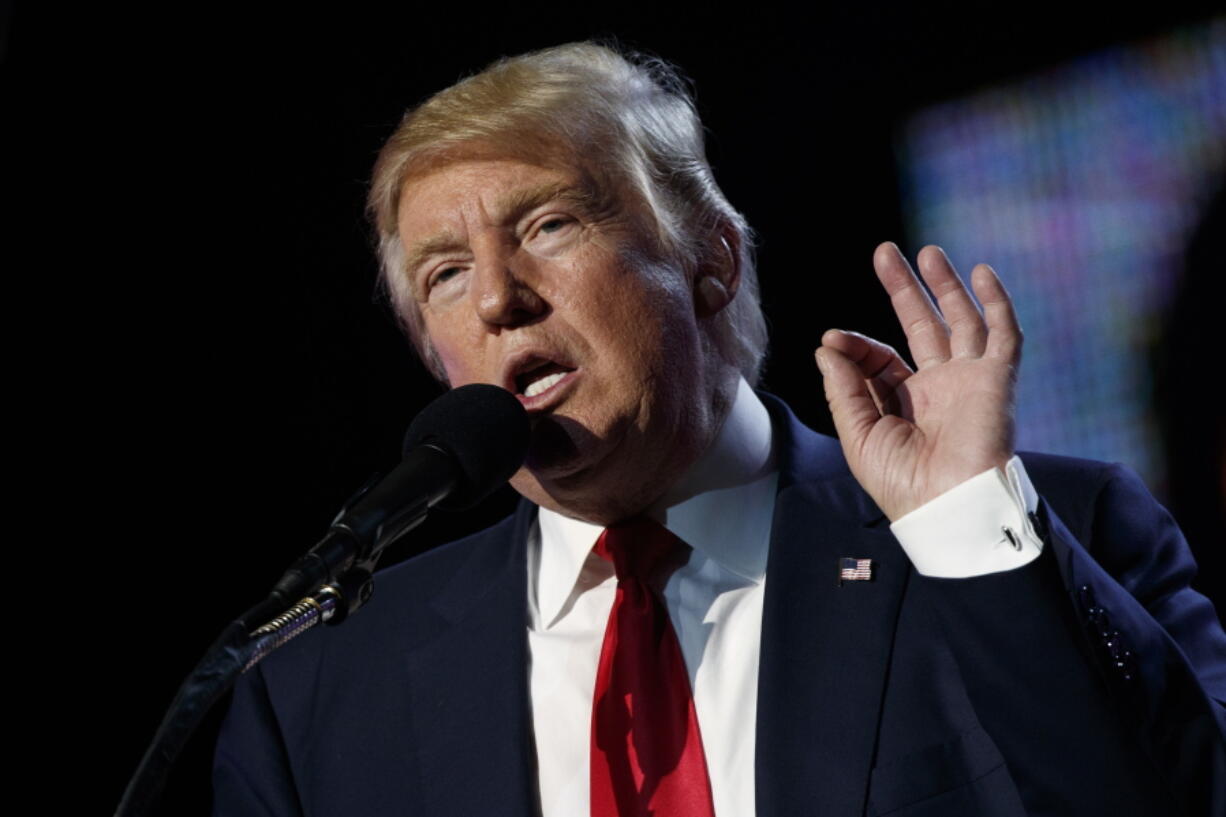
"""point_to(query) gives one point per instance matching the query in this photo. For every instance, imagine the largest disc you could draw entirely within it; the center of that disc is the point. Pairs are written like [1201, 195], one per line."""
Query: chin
[565, 462]
[551, 451]
[560, 448]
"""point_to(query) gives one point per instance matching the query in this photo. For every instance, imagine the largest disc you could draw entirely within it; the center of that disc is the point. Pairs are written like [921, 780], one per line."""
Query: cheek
[459, 367]
[452, 354]
[454, 373]
[457, 351]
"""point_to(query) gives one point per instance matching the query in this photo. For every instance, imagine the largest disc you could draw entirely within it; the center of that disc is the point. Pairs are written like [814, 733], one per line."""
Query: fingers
[1004, 331]
[967, 332]
[927, 334]
[876, 362]
[954, 326]
[851, 404]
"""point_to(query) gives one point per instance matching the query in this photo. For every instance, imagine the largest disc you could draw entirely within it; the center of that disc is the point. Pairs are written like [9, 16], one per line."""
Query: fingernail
[821, 361]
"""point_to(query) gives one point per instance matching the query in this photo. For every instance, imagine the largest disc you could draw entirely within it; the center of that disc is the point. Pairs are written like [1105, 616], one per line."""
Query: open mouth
[540, 378]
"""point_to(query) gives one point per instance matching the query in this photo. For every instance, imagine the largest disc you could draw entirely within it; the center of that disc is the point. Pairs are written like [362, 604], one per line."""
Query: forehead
[493, 187]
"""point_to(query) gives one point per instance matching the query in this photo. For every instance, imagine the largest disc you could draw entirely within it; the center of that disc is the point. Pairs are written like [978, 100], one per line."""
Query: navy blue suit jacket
[1089, 682]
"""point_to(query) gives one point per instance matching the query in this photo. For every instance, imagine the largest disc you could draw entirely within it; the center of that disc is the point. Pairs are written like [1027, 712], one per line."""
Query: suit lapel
[470, 685]
[824, 654]
[825, 648]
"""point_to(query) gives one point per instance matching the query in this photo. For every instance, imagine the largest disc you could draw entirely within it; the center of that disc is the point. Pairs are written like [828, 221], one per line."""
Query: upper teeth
[543, 384]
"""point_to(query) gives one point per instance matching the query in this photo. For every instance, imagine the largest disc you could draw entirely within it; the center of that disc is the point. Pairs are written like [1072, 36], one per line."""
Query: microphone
[484, 428]
[457, 451]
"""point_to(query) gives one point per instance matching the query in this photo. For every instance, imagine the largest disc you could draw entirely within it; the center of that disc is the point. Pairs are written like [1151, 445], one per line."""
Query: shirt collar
[722, 507]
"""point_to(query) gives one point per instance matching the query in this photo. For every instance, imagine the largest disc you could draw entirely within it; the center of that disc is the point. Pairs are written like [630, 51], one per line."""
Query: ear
[719, 276]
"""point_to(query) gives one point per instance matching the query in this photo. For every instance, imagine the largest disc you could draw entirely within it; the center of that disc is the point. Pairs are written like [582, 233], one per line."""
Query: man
[551, 226]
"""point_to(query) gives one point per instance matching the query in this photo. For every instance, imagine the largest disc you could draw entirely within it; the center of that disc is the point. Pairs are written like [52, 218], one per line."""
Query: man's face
[532, 279]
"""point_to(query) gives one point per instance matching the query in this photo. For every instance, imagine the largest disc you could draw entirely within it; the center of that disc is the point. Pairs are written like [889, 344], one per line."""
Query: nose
[504, 293]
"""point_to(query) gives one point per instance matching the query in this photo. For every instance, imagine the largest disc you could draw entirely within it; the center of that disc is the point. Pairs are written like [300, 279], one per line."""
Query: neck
[740, 453]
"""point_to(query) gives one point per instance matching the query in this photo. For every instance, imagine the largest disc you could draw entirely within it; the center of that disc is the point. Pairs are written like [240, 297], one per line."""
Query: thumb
[847, 394]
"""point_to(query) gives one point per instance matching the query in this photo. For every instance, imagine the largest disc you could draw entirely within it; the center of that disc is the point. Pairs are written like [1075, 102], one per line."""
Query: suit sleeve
[1159, 643]
[1100, 651]
[251, 770]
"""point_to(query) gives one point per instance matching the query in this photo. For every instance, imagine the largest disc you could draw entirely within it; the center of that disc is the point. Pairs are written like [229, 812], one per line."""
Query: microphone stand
[466, 442]
[252, 637]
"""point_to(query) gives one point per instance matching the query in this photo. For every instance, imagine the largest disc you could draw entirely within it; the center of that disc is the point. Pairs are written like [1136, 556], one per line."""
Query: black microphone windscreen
[484, 427]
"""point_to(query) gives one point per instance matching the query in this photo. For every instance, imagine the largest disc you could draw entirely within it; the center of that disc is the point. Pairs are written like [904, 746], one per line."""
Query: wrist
[980, 526]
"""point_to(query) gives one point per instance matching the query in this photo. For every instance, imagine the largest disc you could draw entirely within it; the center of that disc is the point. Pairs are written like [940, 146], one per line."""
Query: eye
[552, 225]
[442, 276]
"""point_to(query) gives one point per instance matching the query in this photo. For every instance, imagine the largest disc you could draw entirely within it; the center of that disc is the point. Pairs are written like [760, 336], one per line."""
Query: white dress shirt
[722, 508]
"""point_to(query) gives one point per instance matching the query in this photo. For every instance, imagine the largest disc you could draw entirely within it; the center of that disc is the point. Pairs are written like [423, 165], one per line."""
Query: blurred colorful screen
[1081, 186]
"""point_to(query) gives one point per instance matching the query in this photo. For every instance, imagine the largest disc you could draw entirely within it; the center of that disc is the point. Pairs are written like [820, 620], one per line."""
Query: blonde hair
[633, 112]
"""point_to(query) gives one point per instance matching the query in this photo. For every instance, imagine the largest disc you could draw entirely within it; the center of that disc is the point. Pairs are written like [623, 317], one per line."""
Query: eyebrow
[509, 208]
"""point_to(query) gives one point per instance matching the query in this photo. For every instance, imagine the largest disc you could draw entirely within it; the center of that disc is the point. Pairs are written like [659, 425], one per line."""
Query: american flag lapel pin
[855, 570]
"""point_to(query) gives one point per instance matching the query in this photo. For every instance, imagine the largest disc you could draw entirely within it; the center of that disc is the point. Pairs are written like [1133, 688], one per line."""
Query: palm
[910, 436]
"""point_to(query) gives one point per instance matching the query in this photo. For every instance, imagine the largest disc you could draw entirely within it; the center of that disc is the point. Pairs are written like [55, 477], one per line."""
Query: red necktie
[647, 758]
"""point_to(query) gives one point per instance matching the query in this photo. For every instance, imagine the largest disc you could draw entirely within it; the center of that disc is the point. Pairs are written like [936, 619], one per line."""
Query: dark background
[205, 352]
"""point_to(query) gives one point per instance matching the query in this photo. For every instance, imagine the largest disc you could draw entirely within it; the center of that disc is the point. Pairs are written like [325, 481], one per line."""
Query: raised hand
[909, 436]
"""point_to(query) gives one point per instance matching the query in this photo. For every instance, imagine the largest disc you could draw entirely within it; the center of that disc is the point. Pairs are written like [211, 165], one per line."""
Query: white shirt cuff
[978, 527]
